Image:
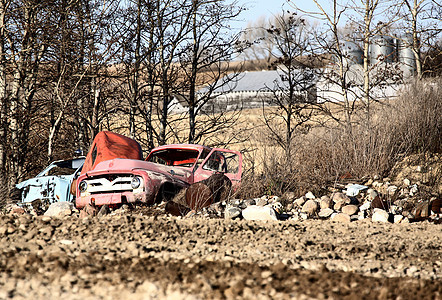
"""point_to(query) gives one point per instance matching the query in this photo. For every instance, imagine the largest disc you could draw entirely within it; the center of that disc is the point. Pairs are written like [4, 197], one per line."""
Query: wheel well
[166, 192]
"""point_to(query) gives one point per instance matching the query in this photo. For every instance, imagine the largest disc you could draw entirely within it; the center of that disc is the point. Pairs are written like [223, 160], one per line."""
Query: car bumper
[111, 198]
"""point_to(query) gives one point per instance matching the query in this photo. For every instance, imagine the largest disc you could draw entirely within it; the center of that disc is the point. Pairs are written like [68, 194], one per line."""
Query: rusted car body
[53, 184]
[166, 171]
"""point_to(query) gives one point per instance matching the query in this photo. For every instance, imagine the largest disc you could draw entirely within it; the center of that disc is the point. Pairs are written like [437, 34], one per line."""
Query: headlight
[135, 182]
[82, 186]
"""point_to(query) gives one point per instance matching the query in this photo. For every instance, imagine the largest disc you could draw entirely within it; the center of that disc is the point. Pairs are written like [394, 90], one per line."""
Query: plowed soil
[138, 256]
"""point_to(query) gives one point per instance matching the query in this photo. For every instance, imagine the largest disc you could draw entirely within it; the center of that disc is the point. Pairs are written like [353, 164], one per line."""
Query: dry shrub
[410, 124]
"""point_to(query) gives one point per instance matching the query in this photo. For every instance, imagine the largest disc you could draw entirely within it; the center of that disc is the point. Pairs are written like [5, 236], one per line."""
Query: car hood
[120, 165]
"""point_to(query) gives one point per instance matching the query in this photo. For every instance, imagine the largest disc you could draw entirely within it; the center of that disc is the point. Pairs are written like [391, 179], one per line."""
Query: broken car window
[223, 162]
[175, 157]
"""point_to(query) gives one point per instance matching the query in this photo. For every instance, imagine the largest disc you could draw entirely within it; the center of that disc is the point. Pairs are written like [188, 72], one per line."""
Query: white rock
[300, 201]
[325, 212]
[371, 194]
[263, 213]
[59, 209]
[325, 202]
[310, 195]
[341, 217]
[365, 206]
[394, 209]
[303, 216]
[340, 197]
[350, 209]
[310, 207]
[407, 182]
[392, 189]
[413, 190]
[380, 215]
[232, 212]
[398, 218]
[262, 201]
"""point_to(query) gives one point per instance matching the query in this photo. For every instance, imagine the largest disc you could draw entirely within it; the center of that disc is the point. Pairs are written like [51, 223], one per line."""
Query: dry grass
[397, 128]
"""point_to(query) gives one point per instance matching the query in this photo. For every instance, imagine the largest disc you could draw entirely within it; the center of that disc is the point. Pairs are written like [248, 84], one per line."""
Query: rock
[289, 206]
[398, 218]
[289, 196]
[354, 218]
[405, 220]
[413, 190]
[310, 196]
[325, 212]
[15, 209]
[232, 213]
[338, 206]
[300, 201]
[369, 182]
[407, 182]
[340, 197]
[88, 210]
[255, 212]
[365, 206]
[249, 202]
[361, 215]
[310, 207]
[371, 194]
[59, 209]
[325, 202]
[391, 190]
[349, 209]
[341, 217]
[377, 184]
[104, 210]
[380, 215]
[262, 201]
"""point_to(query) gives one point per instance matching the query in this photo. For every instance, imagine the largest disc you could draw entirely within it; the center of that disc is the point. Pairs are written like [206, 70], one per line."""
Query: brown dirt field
[148, 255]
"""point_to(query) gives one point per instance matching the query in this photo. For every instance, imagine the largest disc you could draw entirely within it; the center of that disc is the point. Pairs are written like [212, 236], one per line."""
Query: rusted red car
[166, 170]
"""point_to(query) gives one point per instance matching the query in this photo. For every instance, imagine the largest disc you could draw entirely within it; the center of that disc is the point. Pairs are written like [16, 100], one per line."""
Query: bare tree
[421, 20]
[204, 59]
[294, 88]
[260, 43]
[26, 34]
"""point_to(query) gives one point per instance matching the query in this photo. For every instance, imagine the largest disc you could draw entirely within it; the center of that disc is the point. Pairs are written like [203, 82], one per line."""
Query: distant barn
[249, 90]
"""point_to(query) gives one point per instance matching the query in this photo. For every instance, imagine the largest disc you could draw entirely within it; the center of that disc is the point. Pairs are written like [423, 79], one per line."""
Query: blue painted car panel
[53, 184]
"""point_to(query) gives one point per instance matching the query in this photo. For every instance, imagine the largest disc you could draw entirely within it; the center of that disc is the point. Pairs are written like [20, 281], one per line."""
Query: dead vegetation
[410, 125]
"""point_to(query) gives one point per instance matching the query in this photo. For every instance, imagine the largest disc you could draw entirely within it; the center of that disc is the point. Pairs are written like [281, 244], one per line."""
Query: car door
[227, 162]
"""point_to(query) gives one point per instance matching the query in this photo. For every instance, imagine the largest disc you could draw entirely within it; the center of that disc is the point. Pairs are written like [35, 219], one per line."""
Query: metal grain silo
[382, 49]
[405, 52]
[353, 53]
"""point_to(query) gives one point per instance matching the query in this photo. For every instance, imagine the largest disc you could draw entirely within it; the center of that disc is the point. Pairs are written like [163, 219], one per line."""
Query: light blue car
[53, 184]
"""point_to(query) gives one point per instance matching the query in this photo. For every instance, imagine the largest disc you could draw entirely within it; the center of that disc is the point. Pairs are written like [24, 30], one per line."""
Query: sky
[258, 8]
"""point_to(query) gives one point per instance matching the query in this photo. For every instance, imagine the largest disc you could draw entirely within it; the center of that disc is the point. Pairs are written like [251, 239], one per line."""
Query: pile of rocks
[377, 200]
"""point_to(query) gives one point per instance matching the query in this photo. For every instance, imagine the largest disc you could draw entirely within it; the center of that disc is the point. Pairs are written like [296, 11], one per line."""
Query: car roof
[181, 146]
